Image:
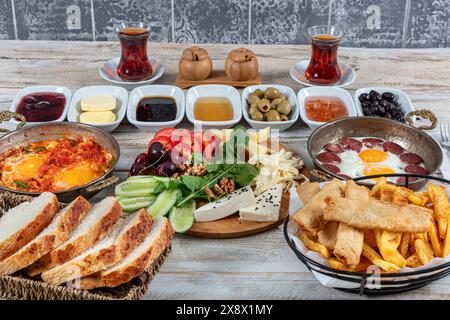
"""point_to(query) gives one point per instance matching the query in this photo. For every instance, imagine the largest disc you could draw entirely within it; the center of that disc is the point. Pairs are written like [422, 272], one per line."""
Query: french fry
[401, 195]
[446, 249]
[404, 245]
[419, 198]
[423, 251]
[314, 246]
[435, 240]
[376, 259]
[336, 264]
[388, 243]
[441, 206]
[413, 261]
[422, 236]
[369, 238]
[375, 192]
[387, 192]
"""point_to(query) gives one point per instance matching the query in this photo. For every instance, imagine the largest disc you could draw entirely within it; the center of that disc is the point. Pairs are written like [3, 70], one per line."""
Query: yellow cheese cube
[97, 117]
[98, 103]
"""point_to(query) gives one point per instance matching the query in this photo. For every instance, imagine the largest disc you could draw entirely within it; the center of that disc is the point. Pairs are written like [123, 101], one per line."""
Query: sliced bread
[23, 223]
[98, 223]
[127, 235]
[64, 222]
[137, 261]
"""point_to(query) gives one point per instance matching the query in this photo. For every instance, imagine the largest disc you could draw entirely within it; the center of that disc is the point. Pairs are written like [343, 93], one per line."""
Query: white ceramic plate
[109, 72]
[335, 92]
[155, 91]
[120, 94]
[401, 97]
[213, 90]
[297, 72]
[35, 89]
[277, 125]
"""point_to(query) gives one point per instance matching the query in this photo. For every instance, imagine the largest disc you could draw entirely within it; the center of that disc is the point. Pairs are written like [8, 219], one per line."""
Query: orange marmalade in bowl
[54, 165]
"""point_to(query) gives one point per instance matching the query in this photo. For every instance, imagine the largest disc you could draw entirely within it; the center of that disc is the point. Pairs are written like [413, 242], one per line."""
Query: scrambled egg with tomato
[54, 165]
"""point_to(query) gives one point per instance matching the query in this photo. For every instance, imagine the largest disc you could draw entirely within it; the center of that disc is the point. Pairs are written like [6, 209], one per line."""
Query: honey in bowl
[213, 109]
[324, 109]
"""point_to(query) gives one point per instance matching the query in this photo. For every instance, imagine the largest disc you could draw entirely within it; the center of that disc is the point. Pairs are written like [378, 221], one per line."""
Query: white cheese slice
[226, 206]
[98, 103]
[267, 206]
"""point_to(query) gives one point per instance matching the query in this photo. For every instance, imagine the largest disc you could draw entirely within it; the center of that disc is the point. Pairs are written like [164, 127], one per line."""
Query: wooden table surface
[255, 267]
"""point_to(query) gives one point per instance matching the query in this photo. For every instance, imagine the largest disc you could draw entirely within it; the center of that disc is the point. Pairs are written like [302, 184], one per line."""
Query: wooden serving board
[217, 77]
[232, 227]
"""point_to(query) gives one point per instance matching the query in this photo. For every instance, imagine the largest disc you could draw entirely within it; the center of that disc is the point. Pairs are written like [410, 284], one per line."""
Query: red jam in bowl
[42, 106]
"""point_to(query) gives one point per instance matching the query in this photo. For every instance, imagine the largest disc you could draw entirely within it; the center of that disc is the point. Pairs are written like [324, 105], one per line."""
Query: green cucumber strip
[164, 202]
[138, 187]
[136, 203]
[139, 177]
[182, 218]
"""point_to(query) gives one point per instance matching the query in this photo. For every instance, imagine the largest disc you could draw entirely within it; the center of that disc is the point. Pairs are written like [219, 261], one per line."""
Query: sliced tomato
[209, 152]
[165, 141]
[197, 142]
[166, 132]
[181, 153]
[208, 137]
[181, 135]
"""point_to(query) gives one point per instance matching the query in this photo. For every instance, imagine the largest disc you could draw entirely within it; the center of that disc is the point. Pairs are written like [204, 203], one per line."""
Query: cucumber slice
[164, 202]
[138, 187]
[182, 218]
[136, 203]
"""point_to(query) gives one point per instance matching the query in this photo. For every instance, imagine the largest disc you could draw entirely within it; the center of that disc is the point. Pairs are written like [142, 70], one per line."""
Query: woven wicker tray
[20, 286]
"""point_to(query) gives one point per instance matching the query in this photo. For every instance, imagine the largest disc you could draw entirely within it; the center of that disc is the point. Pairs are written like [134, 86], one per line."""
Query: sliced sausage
[411, 158]
[351, 144]
[331, 167]
[334, 147]
[402, 180]
[413, 169]
[328, 157]
[372, 142]
[392, 147]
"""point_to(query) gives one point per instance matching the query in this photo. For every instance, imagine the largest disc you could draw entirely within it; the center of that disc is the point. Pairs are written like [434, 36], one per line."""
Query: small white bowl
[155, 91]
[213, 90]
[401, 97]
[119, 93]
[332, 92]
[108, 72]
[37, 89]
[277, 125]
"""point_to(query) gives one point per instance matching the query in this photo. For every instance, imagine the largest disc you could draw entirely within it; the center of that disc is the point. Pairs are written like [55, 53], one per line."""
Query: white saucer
[297, 72]
[109, 72]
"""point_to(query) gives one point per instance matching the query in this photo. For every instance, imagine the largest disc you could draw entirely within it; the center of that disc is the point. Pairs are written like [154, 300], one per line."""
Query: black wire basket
[385, 283]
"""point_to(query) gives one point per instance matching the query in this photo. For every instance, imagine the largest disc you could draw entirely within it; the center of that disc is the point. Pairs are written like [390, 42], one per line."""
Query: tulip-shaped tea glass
[134, 64]
[323, 67]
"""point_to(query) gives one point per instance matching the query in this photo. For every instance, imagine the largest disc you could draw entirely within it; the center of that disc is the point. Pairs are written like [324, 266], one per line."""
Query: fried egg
[75, 176]
[369, 161]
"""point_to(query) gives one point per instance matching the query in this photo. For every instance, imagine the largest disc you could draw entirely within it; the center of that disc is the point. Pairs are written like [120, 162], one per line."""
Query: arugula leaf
[27, 148]
[243, 174]
[168, 183]
[21, 184]
[193, 183]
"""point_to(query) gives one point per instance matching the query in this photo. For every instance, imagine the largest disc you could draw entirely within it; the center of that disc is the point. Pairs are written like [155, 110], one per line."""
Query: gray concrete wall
[368, 23]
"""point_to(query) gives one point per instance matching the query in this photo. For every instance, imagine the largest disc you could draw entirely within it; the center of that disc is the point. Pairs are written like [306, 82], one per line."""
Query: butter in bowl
[100, 106]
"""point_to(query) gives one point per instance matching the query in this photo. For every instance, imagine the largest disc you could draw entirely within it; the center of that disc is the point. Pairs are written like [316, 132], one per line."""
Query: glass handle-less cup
[323, 67]
[134, 63]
